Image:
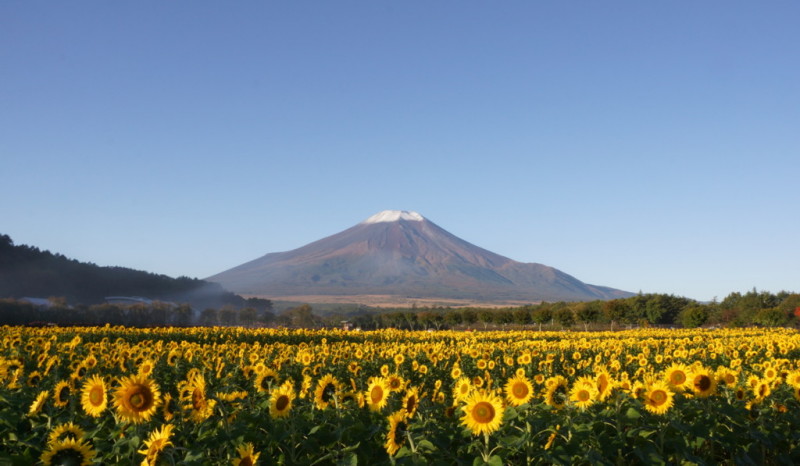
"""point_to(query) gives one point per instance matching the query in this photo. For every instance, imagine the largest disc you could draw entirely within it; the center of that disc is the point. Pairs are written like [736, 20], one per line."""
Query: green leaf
[633, 414]
[425, 445]
[495, 460]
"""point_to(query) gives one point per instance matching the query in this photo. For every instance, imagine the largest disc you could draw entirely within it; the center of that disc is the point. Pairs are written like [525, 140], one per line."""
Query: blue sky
[649, 146]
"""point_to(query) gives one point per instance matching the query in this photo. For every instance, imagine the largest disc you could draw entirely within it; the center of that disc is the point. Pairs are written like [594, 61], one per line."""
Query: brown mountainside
[403, 254]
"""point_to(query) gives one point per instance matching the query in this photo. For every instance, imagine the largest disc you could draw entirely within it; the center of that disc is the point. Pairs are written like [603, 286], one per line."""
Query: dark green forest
[28, 271]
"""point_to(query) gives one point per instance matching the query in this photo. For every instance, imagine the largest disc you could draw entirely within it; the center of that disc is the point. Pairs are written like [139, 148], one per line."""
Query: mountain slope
[402, 253]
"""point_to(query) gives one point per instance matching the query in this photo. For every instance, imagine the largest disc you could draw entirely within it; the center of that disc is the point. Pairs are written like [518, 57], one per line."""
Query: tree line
[736, 310]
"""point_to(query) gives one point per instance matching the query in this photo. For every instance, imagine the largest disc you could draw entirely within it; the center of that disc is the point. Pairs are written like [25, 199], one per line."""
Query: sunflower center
[68, 457]
[520, 390]
[96, 395]
[678, 378]
[483, 412]
[658, 397]
[140, 398]
[584, 395]
[63, 393]
[327, 392]
[198, 399]
[411, 403]
[282, 402]
[702, 382]
[376, 394]
[246, 461]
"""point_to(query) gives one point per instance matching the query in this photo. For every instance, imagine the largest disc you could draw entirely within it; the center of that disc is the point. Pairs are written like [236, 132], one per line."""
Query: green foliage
[694, 316]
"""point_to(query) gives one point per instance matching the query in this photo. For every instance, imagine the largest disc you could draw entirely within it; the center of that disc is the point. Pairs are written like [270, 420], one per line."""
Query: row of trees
[752, 308]
[736, 310]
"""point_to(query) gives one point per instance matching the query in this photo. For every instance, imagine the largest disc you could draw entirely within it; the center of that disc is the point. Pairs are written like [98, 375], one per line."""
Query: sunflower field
[116, 395]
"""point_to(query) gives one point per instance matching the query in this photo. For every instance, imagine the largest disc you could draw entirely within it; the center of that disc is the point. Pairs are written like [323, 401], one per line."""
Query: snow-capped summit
[394, 215]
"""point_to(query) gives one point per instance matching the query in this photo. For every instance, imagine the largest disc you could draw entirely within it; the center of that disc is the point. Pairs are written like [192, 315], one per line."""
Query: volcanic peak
[394, 216]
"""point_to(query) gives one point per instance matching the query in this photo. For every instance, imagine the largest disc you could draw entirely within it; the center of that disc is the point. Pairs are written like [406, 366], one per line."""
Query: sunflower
[462, 388]
[168, 407]
[327, 391]
[247, 455]
[156, 443]
[583, 394]
[483, 412]
[280, 402]
[793, 378]
[353, 399]
[556, 392]
[395, 437]
[146, 367]
[761, 390]
[704, 384]
[604, 383]
[395, 382]
[194, 399]
[61, 393]
[65, 431]
[68, 451]
[265, 380]
[37, 404]
[677, 376]
[658, 397]
[93, 396]
[137, 398]
[410, 402]
[518, 390]
[34, 378]
[377, 393]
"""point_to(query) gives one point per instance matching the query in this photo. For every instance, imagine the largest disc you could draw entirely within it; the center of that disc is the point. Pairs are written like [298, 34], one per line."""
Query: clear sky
[649, 146]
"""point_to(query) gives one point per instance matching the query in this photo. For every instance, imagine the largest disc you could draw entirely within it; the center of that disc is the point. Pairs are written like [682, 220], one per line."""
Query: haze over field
[638, 145]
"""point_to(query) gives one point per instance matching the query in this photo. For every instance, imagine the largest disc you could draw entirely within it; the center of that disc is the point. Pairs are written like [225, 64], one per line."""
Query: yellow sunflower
[395, 382]
[518, 390]
[280, 402]
[793, 378]
[137, 399]
[265, 380]
[193, 397]
[556, 392]
[68, 451]
[158, 440]
[410, 402]
[483, 412]
[327, 391]
[761, 389]
[462, 388]
[247, 455]
[658, 397]
[38, 403]
[703, 382]
[583, 394]
[65, 431]
[93, 396]
[604, 383]
[395, 437]
[61, 393]
[377, 394]
[677, 376]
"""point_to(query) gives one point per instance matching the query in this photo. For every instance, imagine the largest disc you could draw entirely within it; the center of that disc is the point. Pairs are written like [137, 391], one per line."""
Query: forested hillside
[29, 271]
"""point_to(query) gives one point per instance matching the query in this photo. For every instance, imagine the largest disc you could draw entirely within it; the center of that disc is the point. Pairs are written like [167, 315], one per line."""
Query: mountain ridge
[403, 253]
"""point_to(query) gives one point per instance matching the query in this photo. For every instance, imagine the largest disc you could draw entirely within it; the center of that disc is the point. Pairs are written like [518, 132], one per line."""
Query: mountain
[27, 271]
[401, 253]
